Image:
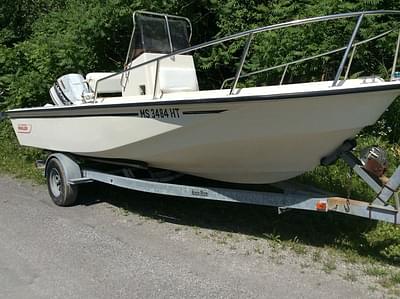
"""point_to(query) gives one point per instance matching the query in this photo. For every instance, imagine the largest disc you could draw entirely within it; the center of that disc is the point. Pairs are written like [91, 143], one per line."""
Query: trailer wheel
[61, 192]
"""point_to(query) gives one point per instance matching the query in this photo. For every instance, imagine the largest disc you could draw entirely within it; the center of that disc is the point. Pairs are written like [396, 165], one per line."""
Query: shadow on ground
[311, 228]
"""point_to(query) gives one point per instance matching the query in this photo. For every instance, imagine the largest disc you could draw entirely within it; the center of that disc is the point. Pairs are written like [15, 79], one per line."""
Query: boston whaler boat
[156, 113]
[152, 114]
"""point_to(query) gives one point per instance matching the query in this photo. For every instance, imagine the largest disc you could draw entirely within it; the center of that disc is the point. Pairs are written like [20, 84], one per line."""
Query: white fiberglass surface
[251, 91]
[254, 91]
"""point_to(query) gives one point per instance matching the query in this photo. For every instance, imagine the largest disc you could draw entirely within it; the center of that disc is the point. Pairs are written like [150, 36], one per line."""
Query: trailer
[65, 173]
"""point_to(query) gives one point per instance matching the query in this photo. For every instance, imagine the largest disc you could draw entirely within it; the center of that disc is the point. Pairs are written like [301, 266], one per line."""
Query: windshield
[156, 33]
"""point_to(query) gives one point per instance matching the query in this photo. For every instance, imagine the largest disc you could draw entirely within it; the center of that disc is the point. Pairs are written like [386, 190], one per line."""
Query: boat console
[153, 36]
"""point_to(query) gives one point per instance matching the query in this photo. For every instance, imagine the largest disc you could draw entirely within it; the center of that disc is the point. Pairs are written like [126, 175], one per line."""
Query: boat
[153, 113]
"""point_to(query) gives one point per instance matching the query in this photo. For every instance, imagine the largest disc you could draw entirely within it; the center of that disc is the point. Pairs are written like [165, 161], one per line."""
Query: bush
[385, 240]
[17, 160]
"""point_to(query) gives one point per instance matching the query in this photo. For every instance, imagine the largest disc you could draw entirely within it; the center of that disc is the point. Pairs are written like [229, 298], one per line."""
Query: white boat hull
[252, 141]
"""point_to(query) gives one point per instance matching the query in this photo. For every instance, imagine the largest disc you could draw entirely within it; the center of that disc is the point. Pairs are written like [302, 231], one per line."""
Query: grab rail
[396, 53]
[360, 16]
[286, 65]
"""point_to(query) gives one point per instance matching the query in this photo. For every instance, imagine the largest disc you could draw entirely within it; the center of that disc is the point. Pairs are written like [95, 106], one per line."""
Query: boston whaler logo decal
[160, 113]
[24, 128]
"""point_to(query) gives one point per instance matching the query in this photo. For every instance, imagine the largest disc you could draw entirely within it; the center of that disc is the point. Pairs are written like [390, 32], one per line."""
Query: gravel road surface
[98, 251]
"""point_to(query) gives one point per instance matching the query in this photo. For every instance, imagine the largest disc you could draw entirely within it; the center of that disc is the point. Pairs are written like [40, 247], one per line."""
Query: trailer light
[321, 206]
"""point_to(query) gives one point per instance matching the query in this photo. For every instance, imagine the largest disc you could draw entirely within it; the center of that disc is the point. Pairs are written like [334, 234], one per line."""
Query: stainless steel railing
[286, 65]
[248, 33]
[396, 53]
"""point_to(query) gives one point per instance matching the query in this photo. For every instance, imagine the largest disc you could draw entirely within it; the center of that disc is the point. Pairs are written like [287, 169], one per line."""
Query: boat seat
[177, 79]
[111, 85]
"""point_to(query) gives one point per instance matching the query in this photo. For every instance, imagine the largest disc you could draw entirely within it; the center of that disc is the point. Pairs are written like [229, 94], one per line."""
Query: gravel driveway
[100, 251]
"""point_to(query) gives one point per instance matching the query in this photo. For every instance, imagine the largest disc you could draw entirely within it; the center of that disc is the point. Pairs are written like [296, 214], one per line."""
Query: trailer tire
[61, 192]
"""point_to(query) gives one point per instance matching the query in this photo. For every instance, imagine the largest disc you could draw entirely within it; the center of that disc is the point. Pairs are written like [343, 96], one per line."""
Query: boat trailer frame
[296, 197]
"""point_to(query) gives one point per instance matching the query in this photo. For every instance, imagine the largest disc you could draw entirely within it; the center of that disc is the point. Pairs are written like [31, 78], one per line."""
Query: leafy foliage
[14, 158]
[386, 240]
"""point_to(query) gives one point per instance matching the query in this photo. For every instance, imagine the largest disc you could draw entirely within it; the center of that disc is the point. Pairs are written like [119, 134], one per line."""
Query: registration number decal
[160, 113]
[24, 128]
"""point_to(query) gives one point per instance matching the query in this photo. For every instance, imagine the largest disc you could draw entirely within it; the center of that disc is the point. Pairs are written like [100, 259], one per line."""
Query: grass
[272, 237]
[376, 271]
[351, 256]
[316, 256]
[391, 281]
[329, 266]
[395, 292]
[122, 211]
[297, 247]
[15, 160]
[395, 278]
[387, 278]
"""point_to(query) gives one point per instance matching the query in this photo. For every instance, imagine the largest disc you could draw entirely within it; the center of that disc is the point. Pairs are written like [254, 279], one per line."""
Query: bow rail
[287, 64]
[250, 33]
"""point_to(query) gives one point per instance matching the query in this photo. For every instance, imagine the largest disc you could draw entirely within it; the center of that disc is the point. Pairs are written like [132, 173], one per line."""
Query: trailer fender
[71, 167]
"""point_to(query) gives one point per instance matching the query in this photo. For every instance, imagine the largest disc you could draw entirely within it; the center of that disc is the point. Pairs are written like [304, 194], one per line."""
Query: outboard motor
[69, 90]
[374, 160]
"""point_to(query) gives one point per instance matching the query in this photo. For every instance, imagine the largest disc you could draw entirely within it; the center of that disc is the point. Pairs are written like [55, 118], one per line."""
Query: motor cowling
[374, 160]
[69, 90]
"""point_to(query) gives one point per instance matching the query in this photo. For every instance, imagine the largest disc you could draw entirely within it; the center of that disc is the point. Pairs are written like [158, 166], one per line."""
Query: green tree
[47, 39]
